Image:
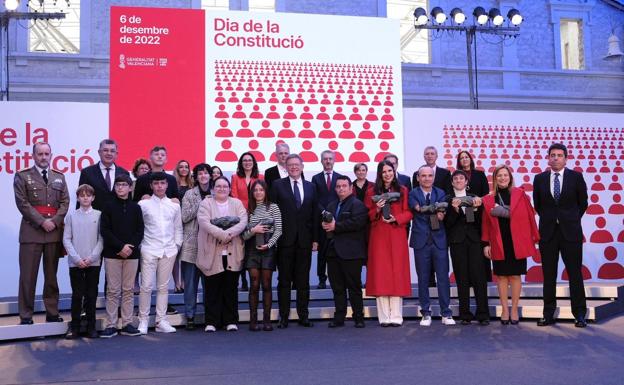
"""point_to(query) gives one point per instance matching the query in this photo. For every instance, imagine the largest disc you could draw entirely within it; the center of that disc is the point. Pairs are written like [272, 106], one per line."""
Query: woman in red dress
[388, 269]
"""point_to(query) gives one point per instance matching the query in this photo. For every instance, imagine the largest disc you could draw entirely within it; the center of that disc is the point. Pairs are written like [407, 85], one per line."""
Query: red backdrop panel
[157, 83]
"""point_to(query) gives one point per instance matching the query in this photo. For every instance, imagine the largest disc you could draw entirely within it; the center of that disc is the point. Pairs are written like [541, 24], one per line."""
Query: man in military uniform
[42, 197]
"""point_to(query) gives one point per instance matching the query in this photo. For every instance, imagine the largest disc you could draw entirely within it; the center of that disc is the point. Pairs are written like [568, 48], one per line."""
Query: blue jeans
[190, 274]
[423, 258]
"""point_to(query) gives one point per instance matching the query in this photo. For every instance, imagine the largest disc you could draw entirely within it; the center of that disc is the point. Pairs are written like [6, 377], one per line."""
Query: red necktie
[328, 181]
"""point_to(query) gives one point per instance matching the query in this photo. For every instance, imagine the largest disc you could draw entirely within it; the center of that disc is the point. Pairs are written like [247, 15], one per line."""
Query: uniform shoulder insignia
[56, 171]
[24, 169]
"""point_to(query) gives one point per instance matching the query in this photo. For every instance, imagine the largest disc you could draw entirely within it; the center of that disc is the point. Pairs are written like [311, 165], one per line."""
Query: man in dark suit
[298, 204]
[560, 199]
[404, 180]
[101, 176]
[325, 184]
[346, 252]
[143, 188]
[441, 176]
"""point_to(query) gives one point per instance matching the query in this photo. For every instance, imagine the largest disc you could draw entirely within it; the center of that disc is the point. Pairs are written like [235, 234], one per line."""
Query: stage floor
[495, 354]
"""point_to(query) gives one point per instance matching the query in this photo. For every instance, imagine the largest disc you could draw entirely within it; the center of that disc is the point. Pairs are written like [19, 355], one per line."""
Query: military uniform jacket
[31, 191]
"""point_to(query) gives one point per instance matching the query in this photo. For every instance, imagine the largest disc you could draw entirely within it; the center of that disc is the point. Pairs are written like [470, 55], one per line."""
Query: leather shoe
[322, 285]
[305, 323]
[580, 323]
[92, 334]
[360, 324]
[385, 325]
[545, 322]
[282, 324]
[190, 323]
[335, 324]
[26, 321]
[484, 322]
[72, 334]
[54, 319]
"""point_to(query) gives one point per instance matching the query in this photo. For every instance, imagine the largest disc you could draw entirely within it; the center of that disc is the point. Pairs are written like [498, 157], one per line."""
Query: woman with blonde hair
[510, 232]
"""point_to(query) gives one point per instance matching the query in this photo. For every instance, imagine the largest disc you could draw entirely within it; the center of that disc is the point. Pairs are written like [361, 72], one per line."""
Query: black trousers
[84, 284]
[346, 275]
[293, 264]
[468, 268]
[321, 257]
[572, 255]
[221, 298]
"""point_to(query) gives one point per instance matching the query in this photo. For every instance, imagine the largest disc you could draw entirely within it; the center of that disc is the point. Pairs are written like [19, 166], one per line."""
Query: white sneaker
[448, 321]
[425, 321]
[210, 329]
[143, 327]
[164, 327]
[231, 328]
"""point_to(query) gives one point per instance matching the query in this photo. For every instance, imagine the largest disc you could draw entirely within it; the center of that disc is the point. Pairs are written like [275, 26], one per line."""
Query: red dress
[388, 269]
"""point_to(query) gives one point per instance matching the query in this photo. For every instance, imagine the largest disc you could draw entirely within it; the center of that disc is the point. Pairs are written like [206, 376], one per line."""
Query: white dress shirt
[299, 185]
[282, 171]
[112, 173]
[552, 181]
[163, 227]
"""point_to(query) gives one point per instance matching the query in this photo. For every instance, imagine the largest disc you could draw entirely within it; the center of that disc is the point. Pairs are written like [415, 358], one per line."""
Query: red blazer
[522, 222]
[240, 189]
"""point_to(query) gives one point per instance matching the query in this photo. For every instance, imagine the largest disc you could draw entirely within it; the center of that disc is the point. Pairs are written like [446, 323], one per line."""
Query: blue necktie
[557, 188]
[338, 210]
[428, 199]
[297, 195]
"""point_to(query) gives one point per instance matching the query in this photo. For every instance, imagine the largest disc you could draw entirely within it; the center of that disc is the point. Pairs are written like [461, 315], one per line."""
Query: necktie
[44, 174]
[338, 210]
[108, 179]
[557, 187]
[297, 195]
[328, 181]
[428, 199]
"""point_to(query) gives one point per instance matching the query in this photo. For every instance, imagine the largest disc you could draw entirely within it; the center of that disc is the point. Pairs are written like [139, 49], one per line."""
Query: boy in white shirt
[162, 239]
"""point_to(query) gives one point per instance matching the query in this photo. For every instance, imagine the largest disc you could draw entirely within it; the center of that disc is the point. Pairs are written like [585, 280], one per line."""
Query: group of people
[199, 225]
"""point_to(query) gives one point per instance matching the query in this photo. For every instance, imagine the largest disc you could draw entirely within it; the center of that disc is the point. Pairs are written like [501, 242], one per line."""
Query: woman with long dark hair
[263, 230]
[388, 270]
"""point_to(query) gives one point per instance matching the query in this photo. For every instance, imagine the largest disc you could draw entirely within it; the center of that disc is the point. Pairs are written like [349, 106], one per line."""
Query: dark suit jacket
[404, 180]
[92, 176]
[324, 195]
[349, 238]
[457, 229]
[478, 184]
[442, 179]
[567, 212]
[272, 174]
[142, 187]
[299, 226]
[421, 226]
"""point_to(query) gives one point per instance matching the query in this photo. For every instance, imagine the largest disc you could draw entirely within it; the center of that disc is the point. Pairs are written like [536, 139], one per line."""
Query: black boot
[266, 307]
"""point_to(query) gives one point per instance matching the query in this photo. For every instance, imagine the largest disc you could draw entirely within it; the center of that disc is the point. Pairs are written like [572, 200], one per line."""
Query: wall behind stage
[73, 131]
[521, 139]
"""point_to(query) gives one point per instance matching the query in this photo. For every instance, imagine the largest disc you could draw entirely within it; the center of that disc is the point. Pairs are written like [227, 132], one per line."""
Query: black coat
[478, 183]
[457, 229]
[92, 176]
[349, 238]
[324, 195]
[299, 226]
[567, 212]
[121, 223]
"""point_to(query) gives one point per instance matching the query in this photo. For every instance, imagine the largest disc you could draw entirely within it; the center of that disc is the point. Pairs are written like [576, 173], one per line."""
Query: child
[82, 240]
[122, 231]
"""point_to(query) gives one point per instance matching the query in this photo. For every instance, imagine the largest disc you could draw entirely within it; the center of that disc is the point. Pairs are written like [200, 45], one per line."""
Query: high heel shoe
[514, 321]
[505, 321]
